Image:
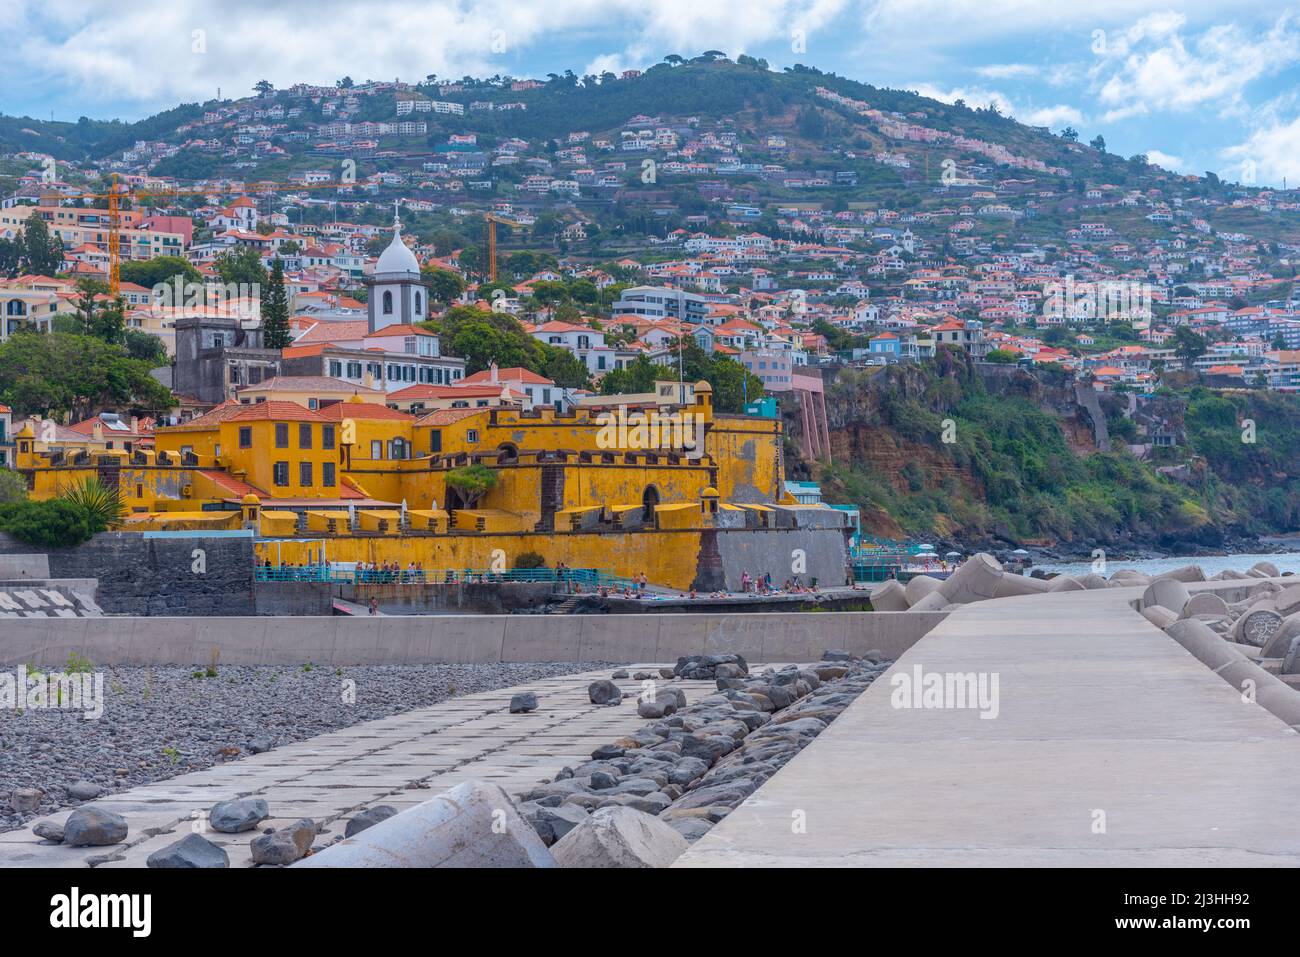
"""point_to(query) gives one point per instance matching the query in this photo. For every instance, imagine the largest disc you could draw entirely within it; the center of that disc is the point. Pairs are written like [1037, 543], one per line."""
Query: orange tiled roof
[274, 410]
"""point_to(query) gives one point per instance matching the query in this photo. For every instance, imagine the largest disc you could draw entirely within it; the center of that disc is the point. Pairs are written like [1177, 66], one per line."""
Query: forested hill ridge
[798, 134]
[1020, 464]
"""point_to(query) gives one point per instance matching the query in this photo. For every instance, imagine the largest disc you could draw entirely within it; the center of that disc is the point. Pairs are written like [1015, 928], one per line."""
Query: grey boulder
[368, 818]
[286, 845]
[193, 851]
[620, 837]
[93, 827]
[242, 814]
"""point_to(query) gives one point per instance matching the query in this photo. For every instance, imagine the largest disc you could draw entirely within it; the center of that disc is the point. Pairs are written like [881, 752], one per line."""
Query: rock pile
[696, 763]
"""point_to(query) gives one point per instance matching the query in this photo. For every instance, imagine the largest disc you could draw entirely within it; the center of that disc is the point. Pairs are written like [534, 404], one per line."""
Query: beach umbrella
[953, 555]
[1020, 551]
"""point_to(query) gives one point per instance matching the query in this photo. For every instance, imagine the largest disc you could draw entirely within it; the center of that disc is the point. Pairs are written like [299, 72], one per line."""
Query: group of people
[386, 573]
[289, 572]
[635, 588]
[763, 585]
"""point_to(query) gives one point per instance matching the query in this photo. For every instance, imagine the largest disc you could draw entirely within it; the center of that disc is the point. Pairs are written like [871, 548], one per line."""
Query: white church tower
[397, 292]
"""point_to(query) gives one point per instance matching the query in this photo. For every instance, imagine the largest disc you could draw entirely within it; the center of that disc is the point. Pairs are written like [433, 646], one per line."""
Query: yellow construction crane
[492, 220]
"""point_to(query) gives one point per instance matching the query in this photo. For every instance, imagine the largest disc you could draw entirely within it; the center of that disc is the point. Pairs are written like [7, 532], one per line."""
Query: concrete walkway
[332, 776]
[1112, 746]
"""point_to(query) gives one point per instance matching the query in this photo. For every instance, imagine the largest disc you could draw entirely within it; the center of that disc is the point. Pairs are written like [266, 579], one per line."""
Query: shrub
[530, 560]
[53, 523]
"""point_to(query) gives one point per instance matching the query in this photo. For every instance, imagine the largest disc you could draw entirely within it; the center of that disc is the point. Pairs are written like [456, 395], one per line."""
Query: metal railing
[588, 579]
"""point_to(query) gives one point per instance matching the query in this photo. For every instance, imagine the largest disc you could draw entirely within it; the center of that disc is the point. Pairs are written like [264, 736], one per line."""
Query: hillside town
[621, 247]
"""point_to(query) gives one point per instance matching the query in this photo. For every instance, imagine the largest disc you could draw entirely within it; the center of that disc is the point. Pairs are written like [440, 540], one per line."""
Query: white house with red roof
[538, 389]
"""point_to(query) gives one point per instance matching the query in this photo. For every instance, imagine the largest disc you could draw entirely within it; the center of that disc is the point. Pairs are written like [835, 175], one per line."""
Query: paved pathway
[332, 776]
[1100, 714]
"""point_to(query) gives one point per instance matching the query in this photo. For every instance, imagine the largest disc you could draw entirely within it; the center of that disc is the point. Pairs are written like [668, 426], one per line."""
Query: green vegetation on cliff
[937, 451]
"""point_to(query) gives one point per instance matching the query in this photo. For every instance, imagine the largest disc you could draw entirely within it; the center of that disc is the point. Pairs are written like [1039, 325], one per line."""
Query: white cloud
[1269, 155]
[1056, 116]
[1152, 66]
[1006, 71]
[1165, 160]
[1053, 117]
[143, 52]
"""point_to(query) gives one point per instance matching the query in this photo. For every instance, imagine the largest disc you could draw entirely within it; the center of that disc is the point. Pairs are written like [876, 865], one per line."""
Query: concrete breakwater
[1113, 743]
[344, 641]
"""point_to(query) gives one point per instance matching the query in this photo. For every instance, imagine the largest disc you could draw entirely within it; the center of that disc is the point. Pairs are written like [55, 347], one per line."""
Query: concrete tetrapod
[474, 824]
[1065, 583]
[1010, 585]
[1287, 601]
[1205, 603]
[975, 580]
[1188, 573]
[1168, 593]
[889, 596]
[1279, 643]
[1159, 615]
[935, 601]
[920, 586]
[1268, 691]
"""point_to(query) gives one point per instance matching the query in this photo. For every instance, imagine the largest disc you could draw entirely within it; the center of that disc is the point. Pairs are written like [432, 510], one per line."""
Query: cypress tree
[275, 310]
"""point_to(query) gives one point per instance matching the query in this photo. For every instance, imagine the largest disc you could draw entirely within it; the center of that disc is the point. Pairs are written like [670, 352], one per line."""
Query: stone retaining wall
[158, 576]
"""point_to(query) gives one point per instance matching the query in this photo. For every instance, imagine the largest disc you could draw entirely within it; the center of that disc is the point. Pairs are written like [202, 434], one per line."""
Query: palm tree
[103, 505]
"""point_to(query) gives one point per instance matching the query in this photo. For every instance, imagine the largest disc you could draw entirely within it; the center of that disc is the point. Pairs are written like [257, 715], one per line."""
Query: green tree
[40, 252]
[472, 481]
[564, 368]
[445, 286]
[638, 376]
[13, 487]
[161, 269]
[57, 374]
[275, 309]
[145, 346]
[1188, 345]
[242, 267]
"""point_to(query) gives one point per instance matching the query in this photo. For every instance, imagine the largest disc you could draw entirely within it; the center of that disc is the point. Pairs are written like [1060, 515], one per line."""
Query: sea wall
[342, 641]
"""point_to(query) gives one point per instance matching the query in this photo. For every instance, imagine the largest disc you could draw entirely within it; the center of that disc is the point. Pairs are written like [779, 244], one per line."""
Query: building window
[246, 437]
[281, 435]
[327, 436]
[471, 436]
[327, 474]
[304, 435]
[388, 303]
[376, 449]
[280, 473]
[435, 440]
[304, 474]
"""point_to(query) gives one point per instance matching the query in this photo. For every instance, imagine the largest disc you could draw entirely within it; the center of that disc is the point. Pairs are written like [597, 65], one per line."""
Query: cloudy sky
[1196, 86]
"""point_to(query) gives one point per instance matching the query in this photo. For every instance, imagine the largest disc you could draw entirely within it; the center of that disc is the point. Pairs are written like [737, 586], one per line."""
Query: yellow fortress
[632, 484]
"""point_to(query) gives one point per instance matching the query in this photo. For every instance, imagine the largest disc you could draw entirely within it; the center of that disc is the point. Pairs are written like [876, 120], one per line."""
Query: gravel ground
[164, 721]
